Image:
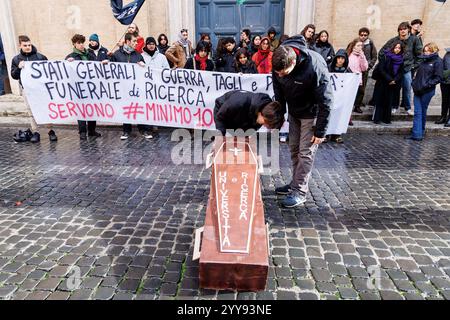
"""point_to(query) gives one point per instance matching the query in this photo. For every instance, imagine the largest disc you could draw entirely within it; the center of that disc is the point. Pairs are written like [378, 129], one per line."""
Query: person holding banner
[100, 52]
[301, 79]
[153, 58]
[128, 54]
[80, 53]
[246, 110]
[28, 52]
[339, 64]
[200, 61]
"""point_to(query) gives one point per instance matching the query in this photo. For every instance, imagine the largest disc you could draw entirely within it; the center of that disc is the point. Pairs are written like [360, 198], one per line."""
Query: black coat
[102, 54]
[326, 50]
[122, 56]
[225, 62]
[446, 79]
[239, 110]
[386, 71]
[190, 65]
[413, 49]
[248, 68]
[307, 89]
[32, 56]
[429, 74]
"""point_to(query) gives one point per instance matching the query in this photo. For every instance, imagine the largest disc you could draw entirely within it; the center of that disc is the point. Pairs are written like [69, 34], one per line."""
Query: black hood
[33, 52]
[298, 42]
[340, 53]
[272, 30]
[429, 57]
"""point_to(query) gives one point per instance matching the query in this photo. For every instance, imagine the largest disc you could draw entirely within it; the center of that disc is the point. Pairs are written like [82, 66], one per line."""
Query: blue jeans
[2, 78]
[406, 90]
[421, 104]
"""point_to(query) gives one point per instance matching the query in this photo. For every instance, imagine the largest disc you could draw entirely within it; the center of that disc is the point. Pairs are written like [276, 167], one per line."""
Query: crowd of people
[405, 65]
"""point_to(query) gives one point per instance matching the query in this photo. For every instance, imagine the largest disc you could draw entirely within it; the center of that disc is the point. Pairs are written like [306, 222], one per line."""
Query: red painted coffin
[234, 249]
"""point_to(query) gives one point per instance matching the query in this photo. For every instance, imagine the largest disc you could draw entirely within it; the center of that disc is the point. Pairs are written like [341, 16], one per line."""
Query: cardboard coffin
[234, 248]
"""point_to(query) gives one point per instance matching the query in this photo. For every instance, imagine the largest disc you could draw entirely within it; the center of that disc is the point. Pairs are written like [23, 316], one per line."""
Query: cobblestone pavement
[120, 215]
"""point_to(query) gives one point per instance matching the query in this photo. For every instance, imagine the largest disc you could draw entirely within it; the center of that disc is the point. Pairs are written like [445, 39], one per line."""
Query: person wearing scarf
[153, 58]
[80, 53]
[263, 58]
[201, 60]
[388, 73]
[101, 53]
[180, 51]
[357, 62]
[163, 43]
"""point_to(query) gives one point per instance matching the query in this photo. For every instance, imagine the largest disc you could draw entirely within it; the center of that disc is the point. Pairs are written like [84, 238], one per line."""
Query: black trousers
[127, 128]
[384, 96]
[445, 89]
[87, 127]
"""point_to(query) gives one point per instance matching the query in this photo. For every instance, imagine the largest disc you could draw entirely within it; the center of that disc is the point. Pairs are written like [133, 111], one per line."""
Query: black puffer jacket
[307, 89]
[32, 56]
[429, 74]
[239, 110]
[122, 56]
[101, 55]
[225, 62]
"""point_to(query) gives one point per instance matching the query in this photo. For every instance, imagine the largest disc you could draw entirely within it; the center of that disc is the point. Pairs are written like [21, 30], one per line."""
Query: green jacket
[413, 49]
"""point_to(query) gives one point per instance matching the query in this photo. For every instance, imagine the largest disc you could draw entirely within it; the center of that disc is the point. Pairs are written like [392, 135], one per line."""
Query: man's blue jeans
[406, 90]
[421, 104]
[2, 78]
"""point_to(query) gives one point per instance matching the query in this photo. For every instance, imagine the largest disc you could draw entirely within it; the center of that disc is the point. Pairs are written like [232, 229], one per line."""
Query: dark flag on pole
[126, 14]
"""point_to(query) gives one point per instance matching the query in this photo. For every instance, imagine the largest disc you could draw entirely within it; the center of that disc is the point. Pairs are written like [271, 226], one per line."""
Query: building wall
[52, 24]
[343, 19]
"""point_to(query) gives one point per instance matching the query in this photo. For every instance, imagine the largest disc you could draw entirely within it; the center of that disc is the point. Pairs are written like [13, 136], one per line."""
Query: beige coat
[177, 56]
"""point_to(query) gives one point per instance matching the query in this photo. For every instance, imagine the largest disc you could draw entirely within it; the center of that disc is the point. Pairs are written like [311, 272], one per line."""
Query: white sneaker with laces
[394, 111]
[148, 135]
[410, 112]
[124, 136]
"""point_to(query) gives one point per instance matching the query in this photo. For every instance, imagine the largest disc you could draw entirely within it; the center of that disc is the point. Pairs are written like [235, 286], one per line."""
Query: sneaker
[394, 110]
[95, 135]
[283, 139]
[125, 136]
[147, 135]
[294, 200]
[410, 112]
[23, 136]
[83, 136]
[35, 138]
[413, 138]
[285, 190]
[52, 136]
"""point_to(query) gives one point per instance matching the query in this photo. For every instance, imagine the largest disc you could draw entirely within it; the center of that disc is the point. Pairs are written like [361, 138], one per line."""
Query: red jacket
[140, 45]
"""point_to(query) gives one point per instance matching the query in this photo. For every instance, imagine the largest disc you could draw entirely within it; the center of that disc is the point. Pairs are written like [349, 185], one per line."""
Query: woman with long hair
[357, 62]
[263, 58]
[200, 61]
[388, 73]
[309, 32]
[243, 62]
[324, 47]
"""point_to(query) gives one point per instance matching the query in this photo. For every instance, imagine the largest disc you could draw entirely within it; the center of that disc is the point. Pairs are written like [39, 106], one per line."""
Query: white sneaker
[124, 136]
[147, 135]
[283, 139]
[410, 112]
[394, 111]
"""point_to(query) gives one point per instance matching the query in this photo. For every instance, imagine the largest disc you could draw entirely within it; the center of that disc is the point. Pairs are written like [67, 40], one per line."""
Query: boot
[442, 120]
[358, 109]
